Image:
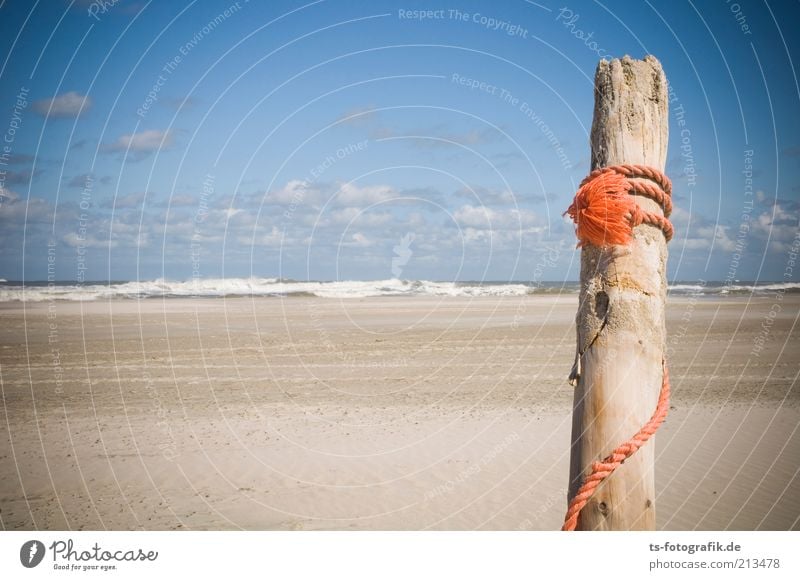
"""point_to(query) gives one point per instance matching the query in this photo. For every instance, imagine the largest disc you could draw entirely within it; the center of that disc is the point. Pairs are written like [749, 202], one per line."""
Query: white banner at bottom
[389, 555]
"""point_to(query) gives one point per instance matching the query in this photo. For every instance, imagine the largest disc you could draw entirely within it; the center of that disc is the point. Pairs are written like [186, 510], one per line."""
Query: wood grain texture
[620, 320]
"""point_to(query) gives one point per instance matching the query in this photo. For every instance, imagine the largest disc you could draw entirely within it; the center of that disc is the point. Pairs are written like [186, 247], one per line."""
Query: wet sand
[378, 413]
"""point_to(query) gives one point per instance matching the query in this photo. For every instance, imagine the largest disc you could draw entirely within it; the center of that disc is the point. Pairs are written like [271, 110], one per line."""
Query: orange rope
[602, 469]
[605, 214]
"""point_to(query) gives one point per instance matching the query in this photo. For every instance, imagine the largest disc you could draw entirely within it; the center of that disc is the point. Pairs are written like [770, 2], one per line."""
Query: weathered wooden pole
[620, 320]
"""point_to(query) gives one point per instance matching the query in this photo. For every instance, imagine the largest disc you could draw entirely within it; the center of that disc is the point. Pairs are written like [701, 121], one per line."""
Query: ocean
[278, 287]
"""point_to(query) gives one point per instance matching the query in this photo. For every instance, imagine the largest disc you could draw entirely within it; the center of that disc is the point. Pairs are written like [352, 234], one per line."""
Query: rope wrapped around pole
[605, 214]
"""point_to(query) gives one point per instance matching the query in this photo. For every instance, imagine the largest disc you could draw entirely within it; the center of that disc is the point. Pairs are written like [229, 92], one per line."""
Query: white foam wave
[717, 288]
[254, 287]
[761, 289]
[218, 287]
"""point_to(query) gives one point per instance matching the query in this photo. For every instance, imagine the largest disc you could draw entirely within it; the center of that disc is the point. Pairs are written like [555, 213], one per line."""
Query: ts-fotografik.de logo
[31, 553]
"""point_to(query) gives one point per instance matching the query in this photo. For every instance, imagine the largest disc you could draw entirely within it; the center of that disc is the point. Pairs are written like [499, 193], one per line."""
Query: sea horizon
[70, 290]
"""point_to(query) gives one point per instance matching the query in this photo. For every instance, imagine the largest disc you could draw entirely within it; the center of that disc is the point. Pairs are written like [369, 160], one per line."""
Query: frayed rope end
[603, 212]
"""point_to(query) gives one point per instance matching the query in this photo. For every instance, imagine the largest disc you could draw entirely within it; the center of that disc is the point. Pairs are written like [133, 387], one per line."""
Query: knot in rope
[605, 213]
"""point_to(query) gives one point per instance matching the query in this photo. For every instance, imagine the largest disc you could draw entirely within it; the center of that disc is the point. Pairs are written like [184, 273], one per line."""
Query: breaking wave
[230, 287]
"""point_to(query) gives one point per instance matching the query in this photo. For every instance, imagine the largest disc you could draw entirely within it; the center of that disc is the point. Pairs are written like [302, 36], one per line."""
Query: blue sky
[321, 140]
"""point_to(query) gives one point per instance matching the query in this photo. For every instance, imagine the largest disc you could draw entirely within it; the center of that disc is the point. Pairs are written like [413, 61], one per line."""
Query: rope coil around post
[605, 213]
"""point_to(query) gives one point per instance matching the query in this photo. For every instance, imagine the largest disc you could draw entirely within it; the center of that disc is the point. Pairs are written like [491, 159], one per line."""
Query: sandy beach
[403, 413]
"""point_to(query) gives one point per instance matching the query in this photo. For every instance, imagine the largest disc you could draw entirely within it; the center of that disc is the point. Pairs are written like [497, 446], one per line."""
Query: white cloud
[695, 232]
[68, 105]
[274, 238]
[303, 195]
[475, 235]
[143, 142]
[483, 217]
[72, 239]
[17, 213]
[721, 236]
[470, 215]
[488, 196]
[183, 200]
[131, 200]
[701, 238]
[6, 195]
[353, 195]
[778, 224]
[84, 180]
[355, 215]
[359, 240]
[295, 192]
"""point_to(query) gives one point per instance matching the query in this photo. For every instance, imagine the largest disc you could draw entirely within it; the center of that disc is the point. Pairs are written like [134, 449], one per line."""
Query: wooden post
[620, 320]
